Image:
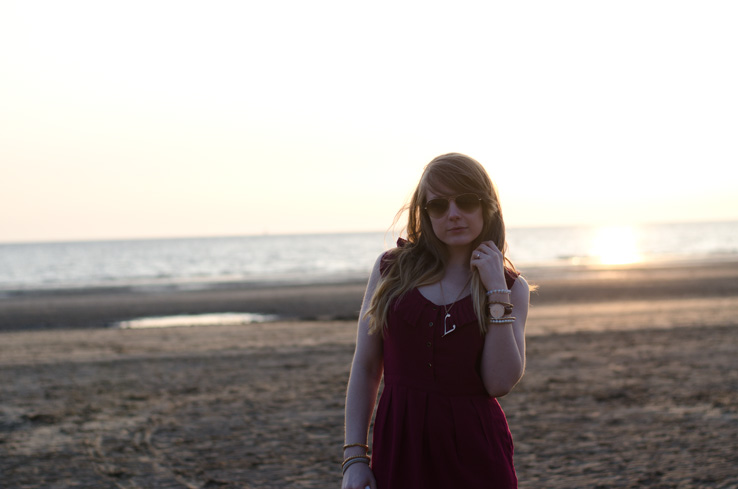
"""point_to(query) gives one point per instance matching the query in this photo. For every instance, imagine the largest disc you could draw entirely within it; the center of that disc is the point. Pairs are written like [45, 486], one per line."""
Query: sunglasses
[466, 203]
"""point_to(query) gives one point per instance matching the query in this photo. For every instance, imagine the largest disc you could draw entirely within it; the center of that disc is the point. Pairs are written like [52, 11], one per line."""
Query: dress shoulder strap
[388, 258]
[510, 276]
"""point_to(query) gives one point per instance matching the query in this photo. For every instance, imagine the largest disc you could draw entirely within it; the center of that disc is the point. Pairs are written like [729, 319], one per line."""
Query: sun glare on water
[616, 245]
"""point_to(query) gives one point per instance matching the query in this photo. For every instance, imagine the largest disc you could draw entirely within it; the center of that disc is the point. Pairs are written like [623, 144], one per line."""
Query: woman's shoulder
[389, 257]
[522, 286]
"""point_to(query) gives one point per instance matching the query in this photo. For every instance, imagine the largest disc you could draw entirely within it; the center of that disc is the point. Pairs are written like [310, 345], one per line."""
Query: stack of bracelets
[500, 312]
[349, 461]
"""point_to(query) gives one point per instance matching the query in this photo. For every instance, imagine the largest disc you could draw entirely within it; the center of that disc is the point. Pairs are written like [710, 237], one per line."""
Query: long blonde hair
[423, 259]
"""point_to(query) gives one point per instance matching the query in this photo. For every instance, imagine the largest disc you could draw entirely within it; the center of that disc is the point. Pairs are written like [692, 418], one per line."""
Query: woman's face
[456, 228]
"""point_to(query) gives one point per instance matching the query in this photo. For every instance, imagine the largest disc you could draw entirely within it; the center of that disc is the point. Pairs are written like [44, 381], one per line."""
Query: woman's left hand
[488, 260]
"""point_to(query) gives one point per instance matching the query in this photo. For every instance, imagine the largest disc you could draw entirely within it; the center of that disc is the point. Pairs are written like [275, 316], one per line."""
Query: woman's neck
[458, 258]
[457, 271]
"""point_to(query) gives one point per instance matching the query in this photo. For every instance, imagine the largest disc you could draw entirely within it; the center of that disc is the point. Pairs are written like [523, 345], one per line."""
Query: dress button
[430, 324]
[428, 344]
[430, 364]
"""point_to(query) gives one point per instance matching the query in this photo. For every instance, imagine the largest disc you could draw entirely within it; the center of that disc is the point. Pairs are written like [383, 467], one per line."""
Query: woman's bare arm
[366, 374]
[503, 357]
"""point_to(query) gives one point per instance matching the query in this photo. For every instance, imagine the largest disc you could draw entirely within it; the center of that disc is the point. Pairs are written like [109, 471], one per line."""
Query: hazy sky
[175, 118]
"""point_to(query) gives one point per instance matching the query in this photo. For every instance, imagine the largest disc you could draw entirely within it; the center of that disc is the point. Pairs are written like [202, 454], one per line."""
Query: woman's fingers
[484, 251]
[488, 247]
[488, 261]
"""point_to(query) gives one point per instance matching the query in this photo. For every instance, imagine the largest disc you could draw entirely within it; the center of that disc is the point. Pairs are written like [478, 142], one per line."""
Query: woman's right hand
[359, 476]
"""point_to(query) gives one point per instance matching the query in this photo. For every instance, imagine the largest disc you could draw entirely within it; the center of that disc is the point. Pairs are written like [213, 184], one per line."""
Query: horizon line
[329, 233]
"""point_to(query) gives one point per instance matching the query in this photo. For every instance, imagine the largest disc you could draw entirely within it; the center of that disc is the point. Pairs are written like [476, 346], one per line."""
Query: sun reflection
[616, 245]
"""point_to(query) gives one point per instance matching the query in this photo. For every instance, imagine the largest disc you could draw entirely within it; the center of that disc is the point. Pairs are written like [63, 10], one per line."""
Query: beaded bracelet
[504, 320]
[499, 291]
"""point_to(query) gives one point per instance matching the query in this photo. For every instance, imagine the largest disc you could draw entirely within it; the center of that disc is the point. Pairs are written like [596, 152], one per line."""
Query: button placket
[430, 340]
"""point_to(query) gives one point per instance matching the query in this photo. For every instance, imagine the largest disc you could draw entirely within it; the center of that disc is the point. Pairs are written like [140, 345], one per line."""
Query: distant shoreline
[341, 300]
[537, 271]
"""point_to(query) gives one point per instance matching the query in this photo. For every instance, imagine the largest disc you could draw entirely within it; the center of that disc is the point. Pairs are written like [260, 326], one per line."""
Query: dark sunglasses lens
[437, 207]
[467, 202]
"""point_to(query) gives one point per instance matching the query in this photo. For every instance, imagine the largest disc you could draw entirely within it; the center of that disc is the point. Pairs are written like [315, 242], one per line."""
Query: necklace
[447, 309]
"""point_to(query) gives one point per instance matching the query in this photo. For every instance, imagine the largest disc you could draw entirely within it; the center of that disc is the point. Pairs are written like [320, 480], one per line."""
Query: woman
[443, 320]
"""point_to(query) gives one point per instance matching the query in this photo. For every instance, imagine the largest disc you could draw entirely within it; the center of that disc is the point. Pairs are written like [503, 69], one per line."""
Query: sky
[145, 119]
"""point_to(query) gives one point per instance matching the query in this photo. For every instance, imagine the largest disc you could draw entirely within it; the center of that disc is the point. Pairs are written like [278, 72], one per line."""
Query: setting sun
[617, 245]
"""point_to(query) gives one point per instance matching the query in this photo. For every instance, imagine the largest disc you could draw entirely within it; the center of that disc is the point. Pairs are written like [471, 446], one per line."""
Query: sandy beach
[632, 381]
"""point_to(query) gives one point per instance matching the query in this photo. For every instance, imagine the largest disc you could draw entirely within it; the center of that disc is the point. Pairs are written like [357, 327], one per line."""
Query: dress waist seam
[435, 388]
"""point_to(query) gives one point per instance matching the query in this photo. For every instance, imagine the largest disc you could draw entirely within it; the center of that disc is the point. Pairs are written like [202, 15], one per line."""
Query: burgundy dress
[436, 426]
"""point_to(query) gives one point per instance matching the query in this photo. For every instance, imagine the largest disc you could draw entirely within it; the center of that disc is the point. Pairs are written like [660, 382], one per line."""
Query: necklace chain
[447, 309]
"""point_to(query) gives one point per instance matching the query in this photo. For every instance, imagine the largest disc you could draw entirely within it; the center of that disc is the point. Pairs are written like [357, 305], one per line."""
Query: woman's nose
[453, 211]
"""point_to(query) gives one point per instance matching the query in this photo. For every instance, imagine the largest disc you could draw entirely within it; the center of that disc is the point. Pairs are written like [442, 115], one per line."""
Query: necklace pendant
[445, 327]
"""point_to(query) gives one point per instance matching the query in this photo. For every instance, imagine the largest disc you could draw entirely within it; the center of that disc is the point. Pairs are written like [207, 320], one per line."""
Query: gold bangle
[362, 445]
[349, 463]
[356, 457]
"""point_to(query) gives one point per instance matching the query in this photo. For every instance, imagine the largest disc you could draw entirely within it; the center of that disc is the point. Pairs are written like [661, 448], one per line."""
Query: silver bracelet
[349, 463]
[499, 291]
[503, 320]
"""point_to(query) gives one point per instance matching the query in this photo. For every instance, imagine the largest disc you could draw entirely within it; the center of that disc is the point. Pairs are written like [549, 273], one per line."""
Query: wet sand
[632, 381]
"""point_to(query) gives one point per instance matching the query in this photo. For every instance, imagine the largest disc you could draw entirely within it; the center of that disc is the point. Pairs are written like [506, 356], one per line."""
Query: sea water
[188, 263]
